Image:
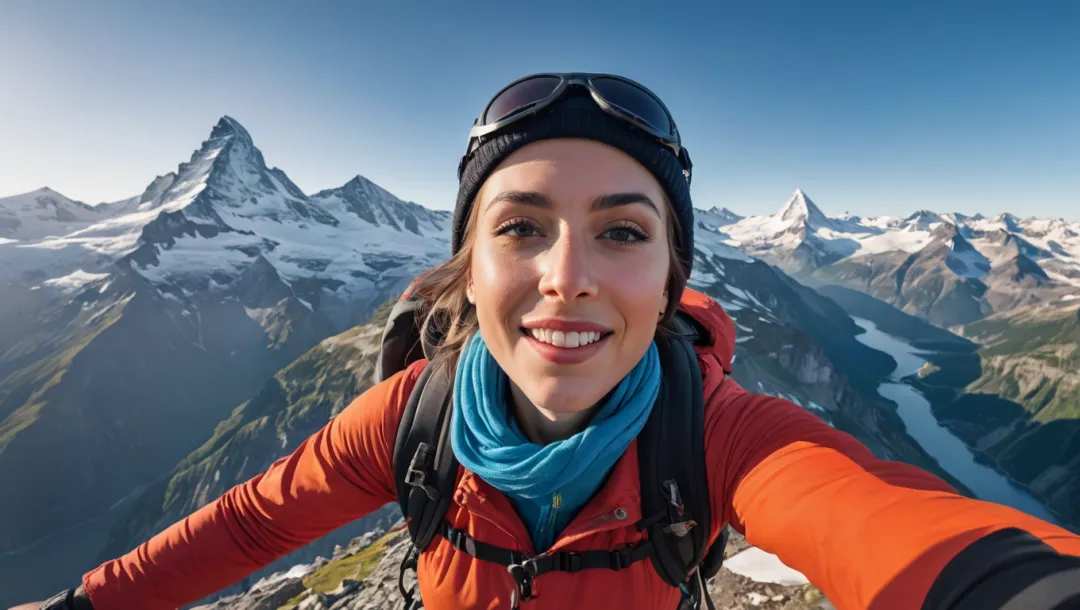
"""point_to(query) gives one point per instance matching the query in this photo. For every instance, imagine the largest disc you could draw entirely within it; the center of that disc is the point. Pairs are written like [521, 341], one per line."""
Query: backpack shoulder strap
[401, 341]
[425, 469]
[671, 457]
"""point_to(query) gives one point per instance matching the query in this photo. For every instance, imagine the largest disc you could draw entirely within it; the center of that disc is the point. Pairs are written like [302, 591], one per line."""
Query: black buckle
[570, 561]
[622, 558]
[681, 528]
[674, 497]
[416, 475]
[522, 580]
[456, 537]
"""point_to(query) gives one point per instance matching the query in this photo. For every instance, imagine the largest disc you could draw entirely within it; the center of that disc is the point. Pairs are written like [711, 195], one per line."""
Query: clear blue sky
[872, 109]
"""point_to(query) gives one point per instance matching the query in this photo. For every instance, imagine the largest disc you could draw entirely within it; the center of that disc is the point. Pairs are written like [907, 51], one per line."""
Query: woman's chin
[565, 398]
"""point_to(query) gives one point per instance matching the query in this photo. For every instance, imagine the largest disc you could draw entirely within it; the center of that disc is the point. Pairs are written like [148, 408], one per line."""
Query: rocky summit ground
[363, 576]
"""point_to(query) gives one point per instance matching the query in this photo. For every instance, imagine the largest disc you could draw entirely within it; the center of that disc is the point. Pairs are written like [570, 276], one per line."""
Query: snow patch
[759, 566]
[296, 572]
[75, 280]
[728, 305]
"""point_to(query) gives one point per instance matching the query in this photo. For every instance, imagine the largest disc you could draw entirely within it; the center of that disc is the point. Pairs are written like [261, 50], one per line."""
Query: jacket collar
[616, 504]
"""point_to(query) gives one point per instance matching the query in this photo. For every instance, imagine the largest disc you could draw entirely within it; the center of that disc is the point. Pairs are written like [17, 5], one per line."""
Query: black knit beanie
[578, 116]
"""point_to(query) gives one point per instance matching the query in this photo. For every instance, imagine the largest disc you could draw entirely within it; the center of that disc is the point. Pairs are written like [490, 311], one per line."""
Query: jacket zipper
[552, 513]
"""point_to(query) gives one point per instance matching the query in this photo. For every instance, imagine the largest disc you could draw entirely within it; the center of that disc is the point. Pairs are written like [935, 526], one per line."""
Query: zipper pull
[674, 497]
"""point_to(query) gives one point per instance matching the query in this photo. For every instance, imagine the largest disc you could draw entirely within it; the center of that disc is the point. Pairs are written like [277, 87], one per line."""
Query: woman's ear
[470, 294]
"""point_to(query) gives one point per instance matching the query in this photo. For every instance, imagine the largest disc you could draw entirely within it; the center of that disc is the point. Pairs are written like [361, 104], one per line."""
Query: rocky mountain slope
[291, 406]
[1017, 399]
[948, 268]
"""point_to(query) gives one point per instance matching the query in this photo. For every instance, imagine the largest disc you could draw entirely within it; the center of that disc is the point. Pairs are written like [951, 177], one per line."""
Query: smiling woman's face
[569, 269]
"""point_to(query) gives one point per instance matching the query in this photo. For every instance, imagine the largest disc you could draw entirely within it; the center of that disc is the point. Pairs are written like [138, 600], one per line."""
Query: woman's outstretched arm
[873, 533]
[339, 474]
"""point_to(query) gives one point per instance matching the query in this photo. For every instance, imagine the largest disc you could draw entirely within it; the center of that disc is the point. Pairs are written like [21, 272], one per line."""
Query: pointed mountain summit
[228, 127]
[362, 199]
[725, 214]
[1009, 221]
[801, 209]
[923, 220]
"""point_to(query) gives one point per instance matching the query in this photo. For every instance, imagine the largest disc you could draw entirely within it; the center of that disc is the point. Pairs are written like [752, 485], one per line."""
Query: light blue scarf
[487, 440]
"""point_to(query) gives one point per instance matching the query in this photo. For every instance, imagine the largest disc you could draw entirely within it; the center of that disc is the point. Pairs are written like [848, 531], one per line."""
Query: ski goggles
[618, 96]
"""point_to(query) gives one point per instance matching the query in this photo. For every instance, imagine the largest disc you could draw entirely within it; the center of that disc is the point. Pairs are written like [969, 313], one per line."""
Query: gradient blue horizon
[870, 109]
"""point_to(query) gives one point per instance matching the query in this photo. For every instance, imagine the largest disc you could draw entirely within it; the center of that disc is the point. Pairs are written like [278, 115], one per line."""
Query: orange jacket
[870, 533]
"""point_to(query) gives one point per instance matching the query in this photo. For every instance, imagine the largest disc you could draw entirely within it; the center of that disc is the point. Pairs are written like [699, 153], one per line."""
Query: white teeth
[573, 338]
[560, 338]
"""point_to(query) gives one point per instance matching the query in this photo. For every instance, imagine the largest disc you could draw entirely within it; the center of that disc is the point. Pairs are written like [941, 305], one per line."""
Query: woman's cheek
[640, 280]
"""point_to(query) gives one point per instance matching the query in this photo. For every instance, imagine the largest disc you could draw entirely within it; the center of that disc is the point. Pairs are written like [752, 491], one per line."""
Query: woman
[573, 239]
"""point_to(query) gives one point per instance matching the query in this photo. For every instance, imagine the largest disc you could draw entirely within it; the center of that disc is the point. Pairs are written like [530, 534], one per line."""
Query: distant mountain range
[948, 268]
[157, 350]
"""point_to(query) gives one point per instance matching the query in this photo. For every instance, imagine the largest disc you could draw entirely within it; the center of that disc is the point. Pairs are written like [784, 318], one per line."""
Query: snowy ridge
[977, 245]
[215, 216]
[41, 213]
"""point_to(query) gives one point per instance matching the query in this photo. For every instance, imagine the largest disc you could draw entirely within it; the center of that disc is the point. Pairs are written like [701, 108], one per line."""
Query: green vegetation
[25, 393]
[352, 567]
[1017, 399]
[1033, 359]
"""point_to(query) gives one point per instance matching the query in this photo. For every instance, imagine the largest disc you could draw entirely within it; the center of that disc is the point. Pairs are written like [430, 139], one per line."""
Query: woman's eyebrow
[613, 200]
[530, 198]
[604, 202]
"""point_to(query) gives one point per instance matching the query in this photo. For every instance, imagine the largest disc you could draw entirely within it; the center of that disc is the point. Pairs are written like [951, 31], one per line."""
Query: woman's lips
[566, 355]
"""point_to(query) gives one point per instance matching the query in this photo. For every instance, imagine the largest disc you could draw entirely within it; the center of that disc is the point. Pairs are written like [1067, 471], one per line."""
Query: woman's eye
[518, 229]
[626, 235]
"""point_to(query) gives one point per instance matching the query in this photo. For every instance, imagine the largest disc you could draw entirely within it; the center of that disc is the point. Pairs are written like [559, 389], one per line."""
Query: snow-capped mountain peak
[362, 199]
[725, 214]
[924, 220]
[42, 213]
[800, 209]
[228, 128]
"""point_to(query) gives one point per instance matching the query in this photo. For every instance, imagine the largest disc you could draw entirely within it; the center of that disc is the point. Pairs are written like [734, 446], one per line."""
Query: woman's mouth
[560, 338]
[565, 346]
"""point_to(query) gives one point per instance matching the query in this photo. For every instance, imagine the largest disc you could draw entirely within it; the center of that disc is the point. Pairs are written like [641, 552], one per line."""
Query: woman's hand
[30, 606]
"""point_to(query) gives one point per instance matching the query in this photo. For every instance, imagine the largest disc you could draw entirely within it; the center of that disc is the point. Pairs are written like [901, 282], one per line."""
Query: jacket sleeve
[873, 533]
[340, 473]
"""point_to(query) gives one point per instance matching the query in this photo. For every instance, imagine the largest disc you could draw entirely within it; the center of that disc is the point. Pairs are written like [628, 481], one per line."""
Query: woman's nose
[566, 272]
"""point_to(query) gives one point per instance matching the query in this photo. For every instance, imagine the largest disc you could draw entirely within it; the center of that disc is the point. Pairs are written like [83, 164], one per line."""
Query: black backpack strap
[524, 570]
[671, 459]
[714, 559]
[400, 340]
[425, 468]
